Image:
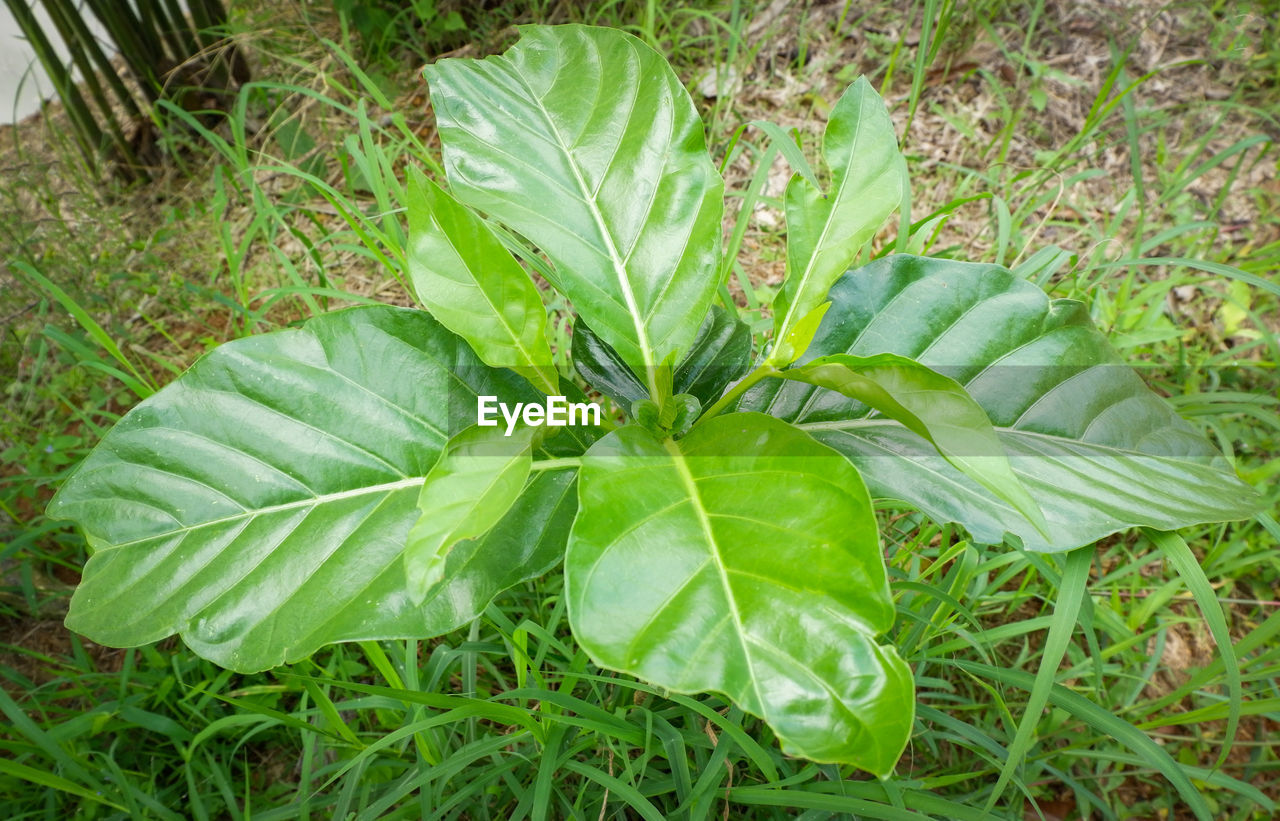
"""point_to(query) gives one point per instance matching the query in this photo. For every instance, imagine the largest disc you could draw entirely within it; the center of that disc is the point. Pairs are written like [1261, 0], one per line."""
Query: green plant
[385, 26]
[331, 482]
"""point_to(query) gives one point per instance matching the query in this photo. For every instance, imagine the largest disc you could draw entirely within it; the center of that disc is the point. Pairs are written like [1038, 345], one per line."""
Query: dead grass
[978, 118]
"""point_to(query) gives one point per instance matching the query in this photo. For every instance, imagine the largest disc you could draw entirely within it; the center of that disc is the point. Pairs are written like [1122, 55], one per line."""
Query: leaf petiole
[763, 372]
[557, 464]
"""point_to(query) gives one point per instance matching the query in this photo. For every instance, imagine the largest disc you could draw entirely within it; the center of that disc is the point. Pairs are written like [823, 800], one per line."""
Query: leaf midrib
[704, 522]
[619, 269]
[310, 501]
[789, 319]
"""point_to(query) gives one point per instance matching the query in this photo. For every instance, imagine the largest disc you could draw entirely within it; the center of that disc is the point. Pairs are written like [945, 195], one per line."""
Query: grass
[1101, 684]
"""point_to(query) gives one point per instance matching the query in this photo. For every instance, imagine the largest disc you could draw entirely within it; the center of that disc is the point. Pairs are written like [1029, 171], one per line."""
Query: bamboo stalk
[153, 36]
[156, 21]
[87, 133]
[202, 23]
[140, 53]
[184, 28]
[99, 57]
[59, 13]
[212, 19]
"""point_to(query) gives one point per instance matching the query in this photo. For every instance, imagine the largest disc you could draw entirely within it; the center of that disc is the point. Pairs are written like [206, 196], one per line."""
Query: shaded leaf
[1096, 449]
[603, 369]
[720, 354]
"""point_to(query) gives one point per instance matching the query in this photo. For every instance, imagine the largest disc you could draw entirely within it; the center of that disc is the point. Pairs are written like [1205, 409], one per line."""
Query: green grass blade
[44, 778]
[1179, 554]
[1269, 707]
[781, 139]
[545, 779]
[625, 791]
[330, 712]
[846, 804]
[21, 722]
[92, 328]
[1218, 268]
[1106, 723]
[1066, 612]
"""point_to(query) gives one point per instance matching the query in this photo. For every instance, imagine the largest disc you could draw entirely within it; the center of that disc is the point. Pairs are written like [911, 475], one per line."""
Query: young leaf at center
[474, 287]
[826, 230]
[585, 141]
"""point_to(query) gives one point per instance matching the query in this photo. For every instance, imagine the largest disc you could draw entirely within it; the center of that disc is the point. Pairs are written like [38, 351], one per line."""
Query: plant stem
[556, 464]
[763, 372]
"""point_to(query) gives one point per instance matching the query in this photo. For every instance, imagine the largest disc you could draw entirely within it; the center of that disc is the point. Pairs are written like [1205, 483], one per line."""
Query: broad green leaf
[929, 405]
[583, 140]
[259, 504]
[468, 280]
[743, 559]
[825, 230]
[468, 491]
[1096, 449]
[528, 542]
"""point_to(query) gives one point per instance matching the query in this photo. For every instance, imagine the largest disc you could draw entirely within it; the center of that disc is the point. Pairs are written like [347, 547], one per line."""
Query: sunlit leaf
[470, 282]
[259, 504]
[585, 141]
[826, 229]
[744, 559]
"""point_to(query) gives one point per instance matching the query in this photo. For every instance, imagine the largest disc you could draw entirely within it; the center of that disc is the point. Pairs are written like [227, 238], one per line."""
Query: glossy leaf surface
[825, 230]
[720, 354]
[1097, 450]
[583, 140]
[743, 559]
[469, 282]
[259, 504]
[792, 345]
[603, 369]
[469, 489]
[931, 406]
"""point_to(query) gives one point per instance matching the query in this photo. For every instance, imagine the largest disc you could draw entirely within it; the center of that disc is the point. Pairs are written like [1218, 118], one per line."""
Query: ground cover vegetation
[1062, 143]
